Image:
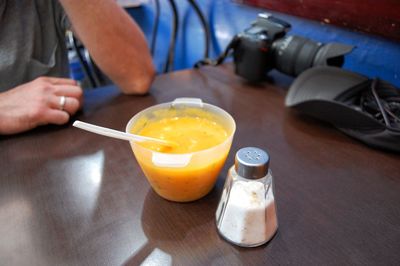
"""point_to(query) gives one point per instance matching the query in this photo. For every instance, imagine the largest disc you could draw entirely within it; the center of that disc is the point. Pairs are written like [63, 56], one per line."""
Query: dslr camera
[265, 46]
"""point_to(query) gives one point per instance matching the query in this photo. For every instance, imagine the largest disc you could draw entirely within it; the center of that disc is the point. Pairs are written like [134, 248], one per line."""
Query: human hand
[39, 102]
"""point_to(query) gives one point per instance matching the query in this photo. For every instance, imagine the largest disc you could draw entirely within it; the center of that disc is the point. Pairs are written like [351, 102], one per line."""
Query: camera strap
[221, 58]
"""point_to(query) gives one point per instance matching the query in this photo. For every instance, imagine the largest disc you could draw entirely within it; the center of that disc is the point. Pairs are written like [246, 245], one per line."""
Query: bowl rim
[168, 104]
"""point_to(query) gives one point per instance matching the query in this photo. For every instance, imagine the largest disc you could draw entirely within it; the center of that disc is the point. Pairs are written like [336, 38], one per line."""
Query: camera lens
[294, 54]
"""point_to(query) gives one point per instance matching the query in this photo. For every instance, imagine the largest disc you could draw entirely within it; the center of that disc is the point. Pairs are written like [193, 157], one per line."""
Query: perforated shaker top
[251, 163]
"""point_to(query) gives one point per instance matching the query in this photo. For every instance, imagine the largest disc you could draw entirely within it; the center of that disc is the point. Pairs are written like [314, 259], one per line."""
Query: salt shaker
[246, 213]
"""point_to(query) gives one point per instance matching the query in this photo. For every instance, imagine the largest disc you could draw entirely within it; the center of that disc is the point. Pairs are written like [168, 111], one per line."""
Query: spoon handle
[111, 132]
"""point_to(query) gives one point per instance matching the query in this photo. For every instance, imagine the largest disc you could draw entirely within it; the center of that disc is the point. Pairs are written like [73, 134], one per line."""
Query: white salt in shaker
[246, 214]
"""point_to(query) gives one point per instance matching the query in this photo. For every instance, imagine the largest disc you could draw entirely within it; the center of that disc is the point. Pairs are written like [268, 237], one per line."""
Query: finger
[71, 105]
[60, 81]
[68, 90]
[54, 116]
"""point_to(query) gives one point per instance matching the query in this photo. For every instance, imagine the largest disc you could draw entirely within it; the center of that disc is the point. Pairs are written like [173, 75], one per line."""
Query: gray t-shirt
[32, 41]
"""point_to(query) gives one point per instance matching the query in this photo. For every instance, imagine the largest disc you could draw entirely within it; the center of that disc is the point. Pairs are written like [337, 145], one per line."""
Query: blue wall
[373, 56]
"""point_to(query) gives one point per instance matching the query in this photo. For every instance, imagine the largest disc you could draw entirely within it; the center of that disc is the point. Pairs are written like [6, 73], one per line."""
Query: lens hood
[332, 54]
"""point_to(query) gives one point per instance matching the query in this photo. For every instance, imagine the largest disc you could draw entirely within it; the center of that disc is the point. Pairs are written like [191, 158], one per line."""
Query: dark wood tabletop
[69, 197]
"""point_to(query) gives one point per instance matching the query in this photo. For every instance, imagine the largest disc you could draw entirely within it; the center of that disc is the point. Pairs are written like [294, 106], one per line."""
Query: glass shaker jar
[246, 213]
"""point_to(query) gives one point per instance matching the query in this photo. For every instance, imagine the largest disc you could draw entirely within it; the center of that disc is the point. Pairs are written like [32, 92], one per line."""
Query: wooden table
[68, 197]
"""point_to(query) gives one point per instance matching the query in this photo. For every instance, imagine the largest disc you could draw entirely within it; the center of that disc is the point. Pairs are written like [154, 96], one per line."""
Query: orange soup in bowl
[188, 170]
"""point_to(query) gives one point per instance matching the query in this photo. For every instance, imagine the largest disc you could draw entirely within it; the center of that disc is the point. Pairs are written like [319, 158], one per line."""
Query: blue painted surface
[373, 56]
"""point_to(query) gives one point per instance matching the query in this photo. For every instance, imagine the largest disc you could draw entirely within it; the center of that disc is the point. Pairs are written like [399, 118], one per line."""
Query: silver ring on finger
[63, 100]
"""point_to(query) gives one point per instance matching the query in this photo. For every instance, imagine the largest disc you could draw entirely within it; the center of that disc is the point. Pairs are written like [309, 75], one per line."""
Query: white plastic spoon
[119, 134]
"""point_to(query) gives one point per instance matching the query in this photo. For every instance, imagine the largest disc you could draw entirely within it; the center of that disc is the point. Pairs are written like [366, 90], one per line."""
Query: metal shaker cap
[251, 163]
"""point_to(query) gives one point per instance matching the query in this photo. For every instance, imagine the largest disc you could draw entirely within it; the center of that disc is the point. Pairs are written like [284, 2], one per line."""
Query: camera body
[265, 46]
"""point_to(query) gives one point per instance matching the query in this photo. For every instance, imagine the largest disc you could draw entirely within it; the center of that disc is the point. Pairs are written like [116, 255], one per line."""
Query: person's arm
[45, 100]
[115, 42]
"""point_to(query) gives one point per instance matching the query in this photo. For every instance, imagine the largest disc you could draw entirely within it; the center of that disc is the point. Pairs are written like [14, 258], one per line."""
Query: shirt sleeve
[65, 23]
[61, 18]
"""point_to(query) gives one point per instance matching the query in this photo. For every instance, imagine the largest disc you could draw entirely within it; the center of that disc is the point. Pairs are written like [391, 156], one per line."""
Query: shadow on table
[175, 230]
